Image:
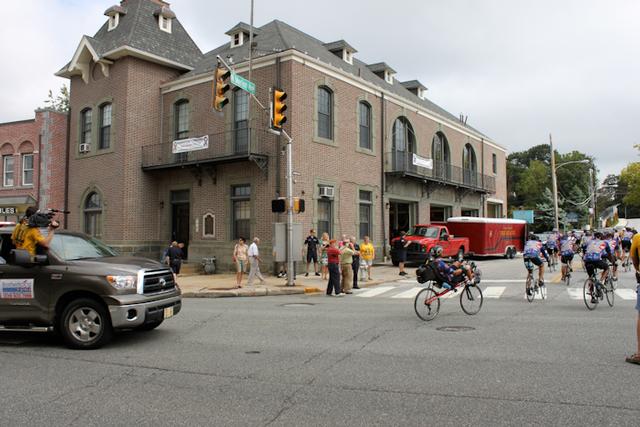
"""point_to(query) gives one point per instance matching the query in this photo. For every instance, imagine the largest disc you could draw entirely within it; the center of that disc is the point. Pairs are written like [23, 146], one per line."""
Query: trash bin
[209, 265]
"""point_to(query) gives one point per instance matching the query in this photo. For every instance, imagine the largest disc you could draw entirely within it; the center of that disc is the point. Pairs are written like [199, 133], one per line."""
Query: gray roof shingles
[277, 36]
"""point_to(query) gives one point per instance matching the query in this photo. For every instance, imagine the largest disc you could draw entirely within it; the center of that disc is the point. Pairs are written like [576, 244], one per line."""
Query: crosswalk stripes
[626, 294]
[411, 293]
[374, 291]
[493, 291]
[575, 293]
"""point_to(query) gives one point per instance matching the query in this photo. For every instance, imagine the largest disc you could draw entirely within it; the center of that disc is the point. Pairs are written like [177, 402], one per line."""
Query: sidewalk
[224, 285]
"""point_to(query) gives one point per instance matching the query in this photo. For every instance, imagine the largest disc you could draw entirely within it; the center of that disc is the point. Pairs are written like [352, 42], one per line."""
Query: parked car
[81, 289]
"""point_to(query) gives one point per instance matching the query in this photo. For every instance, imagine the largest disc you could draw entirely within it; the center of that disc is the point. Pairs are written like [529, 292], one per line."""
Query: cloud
[519, 69]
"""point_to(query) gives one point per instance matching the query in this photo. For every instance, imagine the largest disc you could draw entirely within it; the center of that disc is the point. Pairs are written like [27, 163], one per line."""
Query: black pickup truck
[81, 289]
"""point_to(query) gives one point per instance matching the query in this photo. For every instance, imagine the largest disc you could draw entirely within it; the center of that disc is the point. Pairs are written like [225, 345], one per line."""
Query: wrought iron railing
[229, 145]
[402, 162]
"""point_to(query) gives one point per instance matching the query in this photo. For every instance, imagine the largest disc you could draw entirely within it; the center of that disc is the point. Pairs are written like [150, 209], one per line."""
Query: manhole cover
[455, 328]
[298, 304]
[252, 352]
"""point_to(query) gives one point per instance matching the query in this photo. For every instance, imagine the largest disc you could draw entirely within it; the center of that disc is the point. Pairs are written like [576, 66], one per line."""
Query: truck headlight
[122, 282]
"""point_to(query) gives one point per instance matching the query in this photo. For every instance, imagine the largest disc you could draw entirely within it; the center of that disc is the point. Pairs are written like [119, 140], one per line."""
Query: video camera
[44, 219]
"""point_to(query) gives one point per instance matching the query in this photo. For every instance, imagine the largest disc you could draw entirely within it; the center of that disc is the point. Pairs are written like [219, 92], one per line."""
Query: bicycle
[532, 283]
[567, 277]
[427, 302]
[626, 265]
[593, 291]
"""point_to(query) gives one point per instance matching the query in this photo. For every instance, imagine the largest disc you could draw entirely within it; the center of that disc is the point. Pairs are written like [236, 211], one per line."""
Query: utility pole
[554, 184]
[592, 188]
[290, 267]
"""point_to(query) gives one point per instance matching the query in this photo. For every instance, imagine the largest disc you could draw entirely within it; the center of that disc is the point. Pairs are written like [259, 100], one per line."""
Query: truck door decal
[16, 289]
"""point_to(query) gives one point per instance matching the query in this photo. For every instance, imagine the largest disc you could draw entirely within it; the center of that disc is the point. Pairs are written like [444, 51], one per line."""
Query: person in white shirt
[254, 262]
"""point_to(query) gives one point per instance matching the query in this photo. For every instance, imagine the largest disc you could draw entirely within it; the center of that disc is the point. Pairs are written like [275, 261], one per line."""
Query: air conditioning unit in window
[84, 148]
[326, 191]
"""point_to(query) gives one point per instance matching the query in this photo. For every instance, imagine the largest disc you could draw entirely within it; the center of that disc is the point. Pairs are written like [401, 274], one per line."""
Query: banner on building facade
[190, 144]
[422, 162]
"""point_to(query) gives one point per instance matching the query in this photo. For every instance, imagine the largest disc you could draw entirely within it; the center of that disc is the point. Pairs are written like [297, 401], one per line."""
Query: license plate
[168, 312]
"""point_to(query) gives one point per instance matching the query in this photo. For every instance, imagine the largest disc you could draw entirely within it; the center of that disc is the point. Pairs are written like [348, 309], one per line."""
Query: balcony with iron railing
[401, 163]
[247, 144]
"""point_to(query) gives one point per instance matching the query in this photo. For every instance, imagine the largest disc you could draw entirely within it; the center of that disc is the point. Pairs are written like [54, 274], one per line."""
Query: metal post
[290, 272]
[592, 190]
[554, 185]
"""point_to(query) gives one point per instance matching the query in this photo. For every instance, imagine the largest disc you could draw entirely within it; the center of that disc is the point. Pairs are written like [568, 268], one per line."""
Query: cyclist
[626, 236]
[552, 245]
[567, 251]
[596, 254]
[614, 244]
[453, 273]
[533, 252]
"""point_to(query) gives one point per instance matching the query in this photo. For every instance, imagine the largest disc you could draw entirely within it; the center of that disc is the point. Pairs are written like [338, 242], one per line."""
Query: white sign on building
[190, 144]
[422, 162]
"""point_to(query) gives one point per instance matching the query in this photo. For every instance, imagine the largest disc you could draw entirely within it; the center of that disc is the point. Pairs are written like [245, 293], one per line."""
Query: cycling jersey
[533, 249]
[566, 247]
[596, 250]
[626, 236]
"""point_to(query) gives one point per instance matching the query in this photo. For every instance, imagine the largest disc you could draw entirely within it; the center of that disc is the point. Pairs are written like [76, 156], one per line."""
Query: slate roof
[277, 36]
[139, 29]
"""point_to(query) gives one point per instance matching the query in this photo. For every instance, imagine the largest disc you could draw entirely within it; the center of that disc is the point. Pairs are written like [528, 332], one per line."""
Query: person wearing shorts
[635, 247]
[240, 258]
[367, 253]
[324, 258]
[533, 252]
[312, 243]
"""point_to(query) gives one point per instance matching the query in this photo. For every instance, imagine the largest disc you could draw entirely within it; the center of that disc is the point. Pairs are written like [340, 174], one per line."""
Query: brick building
[361, 140]
[33, 164]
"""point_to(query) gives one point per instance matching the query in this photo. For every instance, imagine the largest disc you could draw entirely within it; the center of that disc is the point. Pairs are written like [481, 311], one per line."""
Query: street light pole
[554, 184]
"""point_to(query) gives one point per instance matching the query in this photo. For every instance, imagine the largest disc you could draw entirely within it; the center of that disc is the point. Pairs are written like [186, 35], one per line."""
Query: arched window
[325, 113]
[209, 225]
[364, 113]
[441, 156]
[181, 119]
[105, 126]
[85, 126]
[93, 215]
[469, 165]
[404, 144]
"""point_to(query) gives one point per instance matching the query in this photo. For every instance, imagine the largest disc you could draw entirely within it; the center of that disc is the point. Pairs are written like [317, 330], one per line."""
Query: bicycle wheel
[530, 295]
[587, 290]
[423, 310]
[471, 299]
[609, 292]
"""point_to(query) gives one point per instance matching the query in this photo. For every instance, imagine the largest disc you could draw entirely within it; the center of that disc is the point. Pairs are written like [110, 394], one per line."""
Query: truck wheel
[85, 324]
[149, 326]
[512, 253]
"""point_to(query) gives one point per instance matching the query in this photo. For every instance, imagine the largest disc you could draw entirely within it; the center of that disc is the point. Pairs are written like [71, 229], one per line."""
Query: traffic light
[298, 205]
[220, 87]
[279, 205]
[278, 107]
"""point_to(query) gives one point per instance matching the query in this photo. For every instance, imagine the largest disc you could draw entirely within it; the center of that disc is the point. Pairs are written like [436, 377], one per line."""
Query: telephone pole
[554, 184]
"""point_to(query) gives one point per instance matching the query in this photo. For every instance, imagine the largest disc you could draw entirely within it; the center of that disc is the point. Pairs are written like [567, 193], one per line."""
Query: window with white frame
[365, 205]
[209, 225]
[85, 126]
[114, 20]
[104, 141]
[237, 39]
[164, 23]
[7, 171]
[27, 169]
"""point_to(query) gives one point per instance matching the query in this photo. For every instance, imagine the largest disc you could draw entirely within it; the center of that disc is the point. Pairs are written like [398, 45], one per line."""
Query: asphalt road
[357, 361]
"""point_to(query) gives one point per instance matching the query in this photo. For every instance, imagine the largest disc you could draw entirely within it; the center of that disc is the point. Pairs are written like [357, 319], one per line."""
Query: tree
[545, 215]
[60, 102]
[630, 177]
[532, 182]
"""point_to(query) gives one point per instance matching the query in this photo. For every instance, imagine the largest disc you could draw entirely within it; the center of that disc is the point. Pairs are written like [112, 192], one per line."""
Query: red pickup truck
[423, 237]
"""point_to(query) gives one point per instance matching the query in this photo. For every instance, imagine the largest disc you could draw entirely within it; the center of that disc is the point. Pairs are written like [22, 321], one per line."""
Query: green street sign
[242, 83]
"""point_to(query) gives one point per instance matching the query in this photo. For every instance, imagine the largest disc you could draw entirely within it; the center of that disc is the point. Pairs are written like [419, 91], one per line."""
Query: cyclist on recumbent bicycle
[453, 273]
[534, 251]
[596, 254]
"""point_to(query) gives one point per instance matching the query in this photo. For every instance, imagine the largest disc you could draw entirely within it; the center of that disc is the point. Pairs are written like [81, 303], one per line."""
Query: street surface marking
[375, 291]
[411, 293]
[503, 281]
[575, 293]
[493, 291]
[627, 294]
[412, 281]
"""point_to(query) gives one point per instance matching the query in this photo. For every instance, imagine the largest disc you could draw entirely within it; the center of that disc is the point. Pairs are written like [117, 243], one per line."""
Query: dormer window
[239, 34]
[383, 71]
[165, 17]
[347, 56]
[388, 77]
[416, 88]
[114, 20]
[342, 50]
[237, 39]
[114, 13]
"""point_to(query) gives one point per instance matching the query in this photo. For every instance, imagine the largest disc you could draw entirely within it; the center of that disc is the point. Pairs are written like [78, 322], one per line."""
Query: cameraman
[32, 237]
[17, 237]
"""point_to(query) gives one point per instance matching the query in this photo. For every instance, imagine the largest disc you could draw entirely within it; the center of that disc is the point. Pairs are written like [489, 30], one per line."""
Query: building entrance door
[180, 219]
[401, 217]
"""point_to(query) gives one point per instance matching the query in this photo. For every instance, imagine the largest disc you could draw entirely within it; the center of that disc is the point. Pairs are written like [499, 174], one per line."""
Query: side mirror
[20, 257]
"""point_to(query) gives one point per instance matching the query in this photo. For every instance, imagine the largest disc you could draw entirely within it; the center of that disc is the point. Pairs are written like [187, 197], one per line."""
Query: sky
[520, 70]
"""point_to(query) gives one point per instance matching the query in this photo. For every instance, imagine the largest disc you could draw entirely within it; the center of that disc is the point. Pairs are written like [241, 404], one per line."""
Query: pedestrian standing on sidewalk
[174, 253]
[240, 259]
[635, 257]
[368, 254]
[355, 265]
[254, 262]
[346, 266]
[333, 260]
[324, 263]
[401, 251]
[311, 243]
